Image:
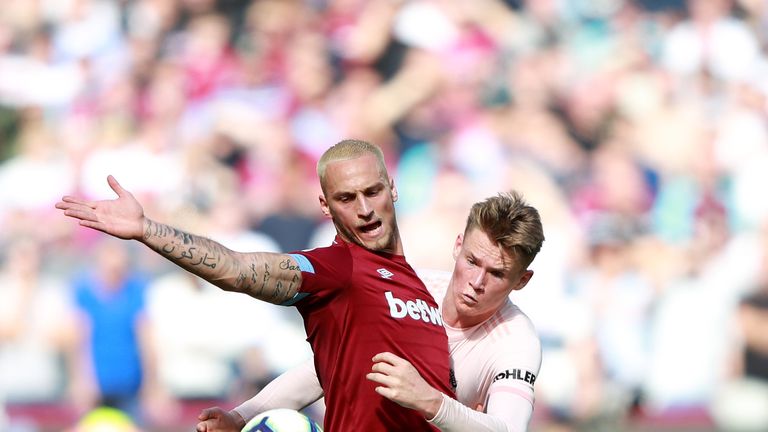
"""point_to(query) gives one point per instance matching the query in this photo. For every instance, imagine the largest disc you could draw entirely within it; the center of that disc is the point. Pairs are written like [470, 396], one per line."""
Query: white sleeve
[505, 412]
[296, 388]
[515, 353]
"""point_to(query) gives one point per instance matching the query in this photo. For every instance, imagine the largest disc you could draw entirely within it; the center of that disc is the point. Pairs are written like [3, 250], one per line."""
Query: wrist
[239, 420]
[432, 405]
[145, 225]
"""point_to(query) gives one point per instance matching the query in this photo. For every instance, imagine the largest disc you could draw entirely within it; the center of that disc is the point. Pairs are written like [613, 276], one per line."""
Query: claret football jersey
[357, 303]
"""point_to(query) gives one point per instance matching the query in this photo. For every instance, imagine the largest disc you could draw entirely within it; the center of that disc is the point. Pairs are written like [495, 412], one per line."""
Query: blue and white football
[282, 420]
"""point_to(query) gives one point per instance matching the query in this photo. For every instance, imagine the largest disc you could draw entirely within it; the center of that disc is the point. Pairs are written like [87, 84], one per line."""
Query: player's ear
[523, 281]
[324, 206]
[393, 188]
[457, 245]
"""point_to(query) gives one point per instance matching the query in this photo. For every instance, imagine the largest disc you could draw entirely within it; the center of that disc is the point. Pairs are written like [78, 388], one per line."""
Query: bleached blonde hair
[350, 149]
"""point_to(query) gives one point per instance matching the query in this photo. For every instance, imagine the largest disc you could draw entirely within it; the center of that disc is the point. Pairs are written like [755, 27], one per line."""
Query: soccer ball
[282, 420]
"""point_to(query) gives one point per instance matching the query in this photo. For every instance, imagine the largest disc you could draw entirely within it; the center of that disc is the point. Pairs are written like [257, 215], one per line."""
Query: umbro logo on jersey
[386, 274]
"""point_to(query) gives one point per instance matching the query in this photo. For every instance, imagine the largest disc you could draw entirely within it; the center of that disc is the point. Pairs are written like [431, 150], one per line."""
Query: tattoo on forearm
[277, 281]
[155, 229]
[208, 261]
[183, 243]
[190, 253]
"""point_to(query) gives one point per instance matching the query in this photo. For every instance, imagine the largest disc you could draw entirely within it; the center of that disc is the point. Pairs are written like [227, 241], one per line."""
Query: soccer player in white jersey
[494, 347]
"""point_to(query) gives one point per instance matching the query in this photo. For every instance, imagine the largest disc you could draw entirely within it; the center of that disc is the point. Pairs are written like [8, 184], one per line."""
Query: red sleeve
[325, 272]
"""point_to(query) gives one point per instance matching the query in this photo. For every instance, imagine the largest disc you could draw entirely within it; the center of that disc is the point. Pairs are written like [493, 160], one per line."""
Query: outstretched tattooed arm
[266, 276]
[271, 277]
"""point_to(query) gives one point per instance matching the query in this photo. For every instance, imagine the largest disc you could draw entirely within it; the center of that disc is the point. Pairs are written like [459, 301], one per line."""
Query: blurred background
[638, 128]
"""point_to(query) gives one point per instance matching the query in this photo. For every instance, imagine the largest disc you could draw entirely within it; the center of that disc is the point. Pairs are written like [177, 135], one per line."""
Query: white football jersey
[496, 360]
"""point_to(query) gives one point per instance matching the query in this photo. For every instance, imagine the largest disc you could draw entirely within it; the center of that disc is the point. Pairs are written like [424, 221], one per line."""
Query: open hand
[122, 217]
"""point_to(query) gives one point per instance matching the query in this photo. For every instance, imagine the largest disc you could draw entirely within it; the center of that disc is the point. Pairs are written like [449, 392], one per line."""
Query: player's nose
[478, 280]
[364, 208]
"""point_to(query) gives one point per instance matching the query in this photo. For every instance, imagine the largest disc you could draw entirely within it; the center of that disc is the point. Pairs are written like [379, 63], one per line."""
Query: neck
[450, 317]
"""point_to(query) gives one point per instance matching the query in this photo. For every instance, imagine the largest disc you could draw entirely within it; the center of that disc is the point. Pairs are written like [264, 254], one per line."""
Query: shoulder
[436, 281]
[325, 267]
[326, 255]
[514, 347]
[513, 325]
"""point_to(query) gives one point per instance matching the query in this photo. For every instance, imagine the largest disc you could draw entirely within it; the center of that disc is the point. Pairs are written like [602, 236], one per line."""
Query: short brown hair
[510, 223]
[349, 149]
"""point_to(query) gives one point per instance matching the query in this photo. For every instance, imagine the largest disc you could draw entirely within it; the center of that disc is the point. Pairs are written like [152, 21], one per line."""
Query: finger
[116, 186]
[387, 357]
[78, 207]
[76, 201]
[82, 215]
[205, 414]
[383, 368]
[479, 407]
[61, 205]
[94, 225]
[384, 391]
[379, 378]
[201, 427]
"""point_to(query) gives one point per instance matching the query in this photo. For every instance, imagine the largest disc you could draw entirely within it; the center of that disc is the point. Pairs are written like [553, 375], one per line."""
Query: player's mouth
[468, 299]
[372, 229]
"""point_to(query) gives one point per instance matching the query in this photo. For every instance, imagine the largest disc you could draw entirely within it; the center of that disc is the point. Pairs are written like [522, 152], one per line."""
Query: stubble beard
[385, 244]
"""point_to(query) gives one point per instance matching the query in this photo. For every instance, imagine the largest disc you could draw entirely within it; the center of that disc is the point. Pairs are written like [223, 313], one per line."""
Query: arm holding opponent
[296, 388]
[401, 383]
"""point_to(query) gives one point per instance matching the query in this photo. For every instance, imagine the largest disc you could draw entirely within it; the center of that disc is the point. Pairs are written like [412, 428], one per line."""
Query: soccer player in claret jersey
[495, 349]
[344, 292]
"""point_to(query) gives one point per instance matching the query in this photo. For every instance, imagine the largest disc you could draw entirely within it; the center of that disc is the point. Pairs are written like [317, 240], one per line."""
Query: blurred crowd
[638, 128]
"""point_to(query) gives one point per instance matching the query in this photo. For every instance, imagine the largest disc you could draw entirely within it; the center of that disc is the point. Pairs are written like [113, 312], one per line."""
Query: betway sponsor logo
[415, 309]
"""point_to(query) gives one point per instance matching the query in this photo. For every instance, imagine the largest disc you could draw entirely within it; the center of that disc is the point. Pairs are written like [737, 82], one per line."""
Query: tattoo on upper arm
[266, 276]
[253, 279]
[240, 280]
[254, 274]
[286, 265]
[293, 285]
[278, 290]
